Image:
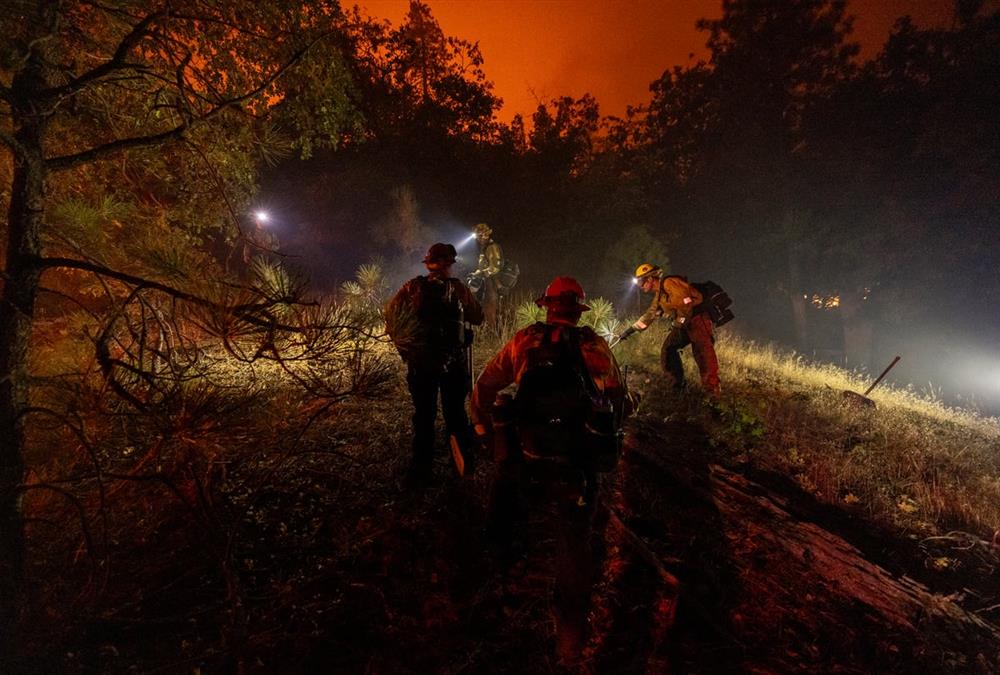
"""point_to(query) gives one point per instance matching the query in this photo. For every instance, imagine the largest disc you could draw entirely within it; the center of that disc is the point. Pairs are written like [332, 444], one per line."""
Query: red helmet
[564, 293]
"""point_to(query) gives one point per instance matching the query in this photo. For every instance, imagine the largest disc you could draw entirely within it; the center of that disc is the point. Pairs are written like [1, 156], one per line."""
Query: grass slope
[304, 551]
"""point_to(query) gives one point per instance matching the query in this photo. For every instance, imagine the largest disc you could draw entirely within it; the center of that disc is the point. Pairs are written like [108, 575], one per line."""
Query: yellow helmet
[645, 269]
[483, 231]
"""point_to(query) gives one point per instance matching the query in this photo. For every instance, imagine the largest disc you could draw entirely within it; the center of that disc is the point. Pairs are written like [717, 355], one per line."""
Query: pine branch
[70, 161]
[245, 311]
[117, 61]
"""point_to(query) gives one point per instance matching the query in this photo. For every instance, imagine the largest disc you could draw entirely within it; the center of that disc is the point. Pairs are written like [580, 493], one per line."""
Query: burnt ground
[331, 563]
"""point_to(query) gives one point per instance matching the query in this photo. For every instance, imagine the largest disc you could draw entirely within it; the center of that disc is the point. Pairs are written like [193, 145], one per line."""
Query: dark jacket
[426, 317]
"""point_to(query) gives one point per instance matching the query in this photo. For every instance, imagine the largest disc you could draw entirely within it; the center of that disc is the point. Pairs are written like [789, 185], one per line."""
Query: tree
[130, 110]
[416, 80]
[727, 137]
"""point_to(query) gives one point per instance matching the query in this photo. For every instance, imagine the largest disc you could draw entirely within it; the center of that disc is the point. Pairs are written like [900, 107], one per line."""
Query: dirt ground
[338, 565]
[695, 576]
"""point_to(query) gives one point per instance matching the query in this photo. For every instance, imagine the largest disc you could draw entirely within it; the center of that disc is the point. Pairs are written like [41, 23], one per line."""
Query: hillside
[774, 532]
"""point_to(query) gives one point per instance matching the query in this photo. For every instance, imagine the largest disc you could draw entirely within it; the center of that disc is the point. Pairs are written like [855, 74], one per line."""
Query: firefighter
[486, 277]
[681, 303]
[428, 321]
[557, 485]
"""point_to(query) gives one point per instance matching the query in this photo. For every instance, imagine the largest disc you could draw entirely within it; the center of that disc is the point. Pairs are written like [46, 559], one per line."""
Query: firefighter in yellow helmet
[681, 303]
[485, 280]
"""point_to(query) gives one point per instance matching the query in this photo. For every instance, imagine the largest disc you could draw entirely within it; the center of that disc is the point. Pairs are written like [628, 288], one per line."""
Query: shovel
[862, 399]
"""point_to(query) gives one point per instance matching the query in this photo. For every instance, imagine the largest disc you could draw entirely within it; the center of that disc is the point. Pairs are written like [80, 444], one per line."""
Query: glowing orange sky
[613, 49]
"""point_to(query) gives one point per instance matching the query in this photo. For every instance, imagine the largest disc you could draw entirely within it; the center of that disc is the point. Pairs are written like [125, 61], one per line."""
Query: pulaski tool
[862, 399]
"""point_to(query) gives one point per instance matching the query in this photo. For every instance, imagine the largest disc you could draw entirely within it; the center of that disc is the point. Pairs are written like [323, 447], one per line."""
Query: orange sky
[613, 49]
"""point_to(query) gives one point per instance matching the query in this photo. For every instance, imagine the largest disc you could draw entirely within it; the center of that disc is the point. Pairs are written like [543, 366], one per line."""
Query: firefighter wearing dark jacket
[681, 304]
[428, 321]
[531, 479]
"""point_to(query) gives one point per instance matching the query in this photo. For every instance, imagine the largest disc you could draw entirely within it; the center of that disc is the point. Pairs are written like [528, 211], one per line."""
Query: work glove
[627, 333]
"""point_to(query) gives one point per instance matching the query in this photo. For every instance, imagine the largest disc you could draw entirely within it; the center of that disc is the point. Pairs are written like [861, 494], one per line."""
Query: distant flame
[825, 301]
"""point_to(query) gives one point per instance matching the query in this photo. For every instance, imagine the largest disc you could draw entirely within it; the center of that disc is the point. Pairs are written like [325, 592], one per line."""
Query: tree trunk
[16, 313]
[858, 333]
[795, 292]
[17, 306]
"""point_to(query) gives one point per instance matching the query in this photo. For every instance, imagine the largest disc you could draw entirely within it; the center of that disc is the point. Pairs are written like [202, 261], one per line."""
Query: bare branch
[70, 161]
[123, 276]
[13, 144]
[81, 512]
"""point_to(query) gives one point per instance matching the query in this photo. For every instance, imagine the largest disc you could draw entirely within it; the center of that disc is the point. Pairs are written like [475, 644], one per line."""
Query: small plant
[743, 422]
[366, 295]
[601, 311]
[528, 313]
[275, 284]
[601, 318]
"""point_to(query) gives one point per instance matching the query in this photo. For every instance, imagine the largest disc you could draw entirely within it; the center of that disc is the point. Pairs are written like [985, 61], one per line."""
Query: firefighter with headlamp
[681, 303]
[493, 275]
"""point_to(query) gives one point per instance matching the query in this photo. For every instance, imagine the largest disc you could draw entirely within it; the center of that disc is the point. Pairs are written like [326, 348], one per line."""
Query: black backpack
[440, 314]
[559, 410]
[715, 301]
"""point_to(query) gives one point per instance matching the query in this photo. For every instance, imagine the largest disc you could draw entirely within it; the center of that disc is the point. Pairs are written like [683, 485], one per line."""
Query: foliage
[215, 72]
[210, 408]
[403, 230]
[415, 79]
[528, 313]
[366, 295]
[138, 128]
[601, 311]
[636, 244]
[561, 138]
[276, 285]
[601, 317]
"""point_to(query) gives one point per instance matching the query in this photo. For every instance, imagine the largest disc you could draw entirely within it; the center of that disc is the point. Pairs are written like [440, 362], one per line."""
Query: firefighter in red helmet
[681, 304]
[551, 440]
[564, 304]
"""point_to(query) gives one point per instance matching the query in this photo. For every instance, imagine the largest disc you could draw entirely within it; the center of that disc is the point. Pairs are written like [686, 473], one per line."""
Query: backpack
[560, 412]
[715, 301]
[440, 315]
[507, 277]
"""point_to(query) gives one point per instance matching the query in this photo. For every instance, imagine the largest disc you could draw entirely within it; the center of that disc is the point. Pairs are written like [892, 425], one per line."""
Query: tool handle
[887, 369]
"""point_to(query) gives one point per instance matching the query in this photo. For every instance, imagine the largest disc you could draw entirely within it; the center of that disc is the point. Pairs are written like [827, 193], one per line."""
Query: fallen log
[810, 574]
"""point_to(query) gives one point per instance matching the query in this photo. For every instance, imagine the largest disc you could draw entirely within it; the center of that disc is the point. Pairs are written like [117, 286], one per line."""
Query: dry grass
[913, 463]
